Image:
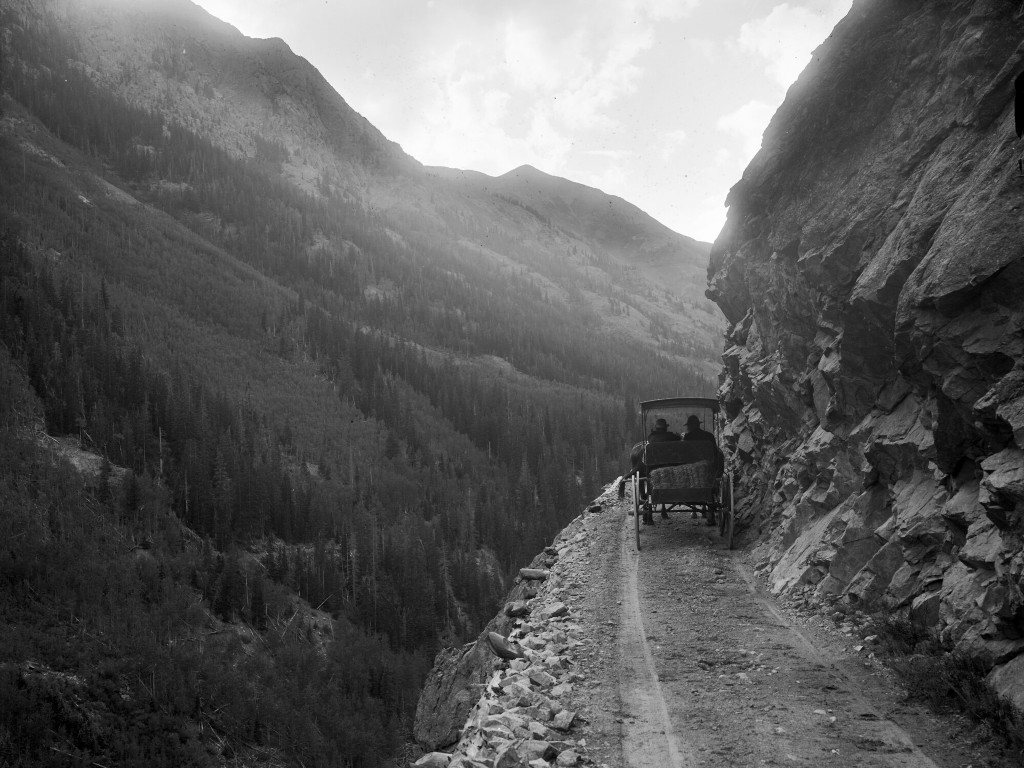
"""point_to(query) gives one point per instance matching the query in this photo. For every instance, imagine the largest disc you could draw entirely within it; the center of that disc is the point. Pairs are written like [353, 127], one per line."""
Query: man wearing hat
[694, 431]
[660, 433]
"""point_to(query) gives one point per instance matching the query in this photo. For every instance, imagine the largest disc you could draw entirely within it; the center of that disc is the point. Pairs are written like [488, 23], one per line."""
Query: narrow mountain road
[689, 664]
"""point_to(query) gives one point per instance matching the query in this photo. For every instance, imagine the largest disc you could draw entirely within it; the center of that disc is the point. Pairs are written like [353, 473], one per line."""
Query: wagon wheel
[636, 510]
[729, 512]
[723, 507]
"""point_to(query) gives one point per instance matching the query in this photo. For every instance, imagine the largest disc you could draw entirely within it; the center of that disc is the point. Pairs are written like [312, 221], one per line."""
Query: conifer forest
[264, 449]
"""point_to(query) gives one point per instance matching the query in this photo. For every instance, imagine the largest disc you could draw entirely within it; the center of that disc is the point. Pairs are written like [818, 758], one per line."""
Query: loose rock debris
[519, 719]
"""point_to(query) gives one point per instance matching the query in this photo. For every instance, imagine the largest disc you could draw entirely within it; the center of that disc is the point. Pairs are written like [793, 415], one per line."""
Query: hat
[693, 419]
[661, 424]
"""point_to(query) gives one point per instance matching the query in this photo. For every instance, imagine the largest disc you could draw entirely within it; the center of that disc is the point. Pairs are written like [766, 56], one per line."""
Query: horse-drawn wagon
[681, 471]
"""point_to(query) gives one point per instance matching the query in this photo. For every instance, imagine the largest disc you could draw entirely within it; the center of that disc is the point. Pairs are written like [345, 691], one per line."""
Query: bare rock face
[872, 271]
[459, 674]
[448, 694]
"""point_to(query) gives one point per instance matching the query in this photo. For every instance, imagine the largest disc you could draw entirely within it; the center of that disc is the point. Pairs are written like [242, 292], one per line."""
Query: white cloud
[786, 37]
[671, 143]
[534, 64]
[748, 123]
[611, 178]
[612, 154]
[584, 100]
[660, 10]
[532, 86]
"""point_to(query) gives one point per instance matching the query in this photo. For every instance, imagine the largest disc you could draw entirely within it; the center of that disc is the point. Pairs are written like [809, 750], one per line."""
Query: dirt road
[687, 663]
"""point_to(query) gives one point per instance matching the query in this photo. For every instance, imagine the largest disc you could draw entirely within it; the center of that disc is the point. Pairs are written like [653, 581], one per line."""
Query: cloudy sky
[661, 102]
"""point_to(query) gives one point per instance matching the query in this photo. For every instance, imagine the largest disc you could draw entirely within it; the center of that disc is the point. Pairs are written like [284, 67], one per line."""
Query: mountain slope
[176, 59]
[643, 281]
[254, 98]
[338, 398]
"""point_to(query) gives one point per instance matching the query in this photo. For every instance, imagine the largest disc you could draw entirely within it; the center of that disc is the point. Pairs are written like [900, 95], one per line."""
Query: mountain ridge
[322, 145]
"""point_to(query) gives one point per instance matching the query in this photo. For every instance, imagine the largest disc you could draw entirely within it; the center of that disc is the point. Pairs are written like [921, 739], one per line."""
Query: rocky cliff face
[871, 270]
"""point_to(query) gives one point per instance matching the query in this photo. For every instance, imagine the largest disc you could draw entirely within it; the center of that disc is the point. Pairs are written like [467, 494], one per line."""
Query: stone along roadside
[532, 709]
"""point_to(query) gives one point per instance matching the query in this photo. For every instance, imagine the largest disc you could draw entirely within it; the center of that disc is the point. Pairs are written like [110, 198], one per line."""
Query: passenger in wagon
[694, 431]
[660, 433]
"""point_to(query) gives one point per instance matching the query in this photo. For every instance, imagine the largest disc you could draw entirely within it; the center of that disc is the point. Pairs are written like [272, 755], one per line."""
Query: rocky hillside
[870, 270]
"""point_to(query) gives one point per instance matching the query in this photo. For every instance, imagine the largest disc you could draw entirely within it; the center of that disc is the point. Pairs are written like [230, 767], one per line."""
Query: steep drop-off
[870, 269]
[349, 396]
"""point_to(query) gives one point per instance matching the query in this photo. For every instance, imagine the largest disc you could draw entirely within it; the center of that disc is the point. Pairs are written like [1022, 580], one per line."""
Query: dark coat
[698, 434]
[663, 436]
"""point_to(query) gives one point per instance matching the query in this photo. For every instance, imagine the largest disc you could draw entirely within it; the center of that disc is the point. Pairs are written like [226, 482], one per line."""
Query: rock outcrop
[871, 269]
[459, 674]
[487, 704]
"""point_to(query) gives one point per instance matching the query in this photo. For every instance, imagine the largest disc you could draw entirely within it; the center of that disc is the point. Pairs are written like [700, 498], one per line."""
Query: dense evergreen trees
[289, 399]
[126, 666]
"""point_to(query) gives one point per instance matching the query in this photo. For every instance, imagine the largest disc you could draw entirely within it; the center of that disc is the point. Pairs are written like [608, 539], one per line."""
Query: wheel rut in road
[741, 683]
[649, 738]
[688, 663]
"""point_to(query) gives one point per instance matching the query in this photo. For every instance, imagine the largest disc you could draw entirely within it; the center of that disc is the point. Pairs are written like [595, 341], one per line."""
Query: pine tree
[258, 605]
[223, 497]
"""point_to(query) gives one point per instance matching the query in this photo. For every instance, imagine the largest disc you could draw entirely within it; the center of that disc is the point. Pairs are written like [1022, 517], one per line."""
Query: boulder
[874, 578]
[508, 757]
[900, 441]
[446, 697]
[984, 545]
[1002, 407]
[517, 609]
[434, 760]
[552, 611]
[542, 679]
[534, 749]
[563, 720]
[904, 586]
[1004, 474]
[982, 641]
[1008, 681]
[963, 588]
[962, 508]
[924, 610]
[534, 574]
[568, 757]
[454, 684]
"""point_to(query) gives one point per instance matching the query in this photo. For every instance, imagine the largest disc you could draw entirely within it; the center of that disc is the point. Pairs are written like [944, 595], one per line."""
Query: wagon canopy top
[669, 403]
